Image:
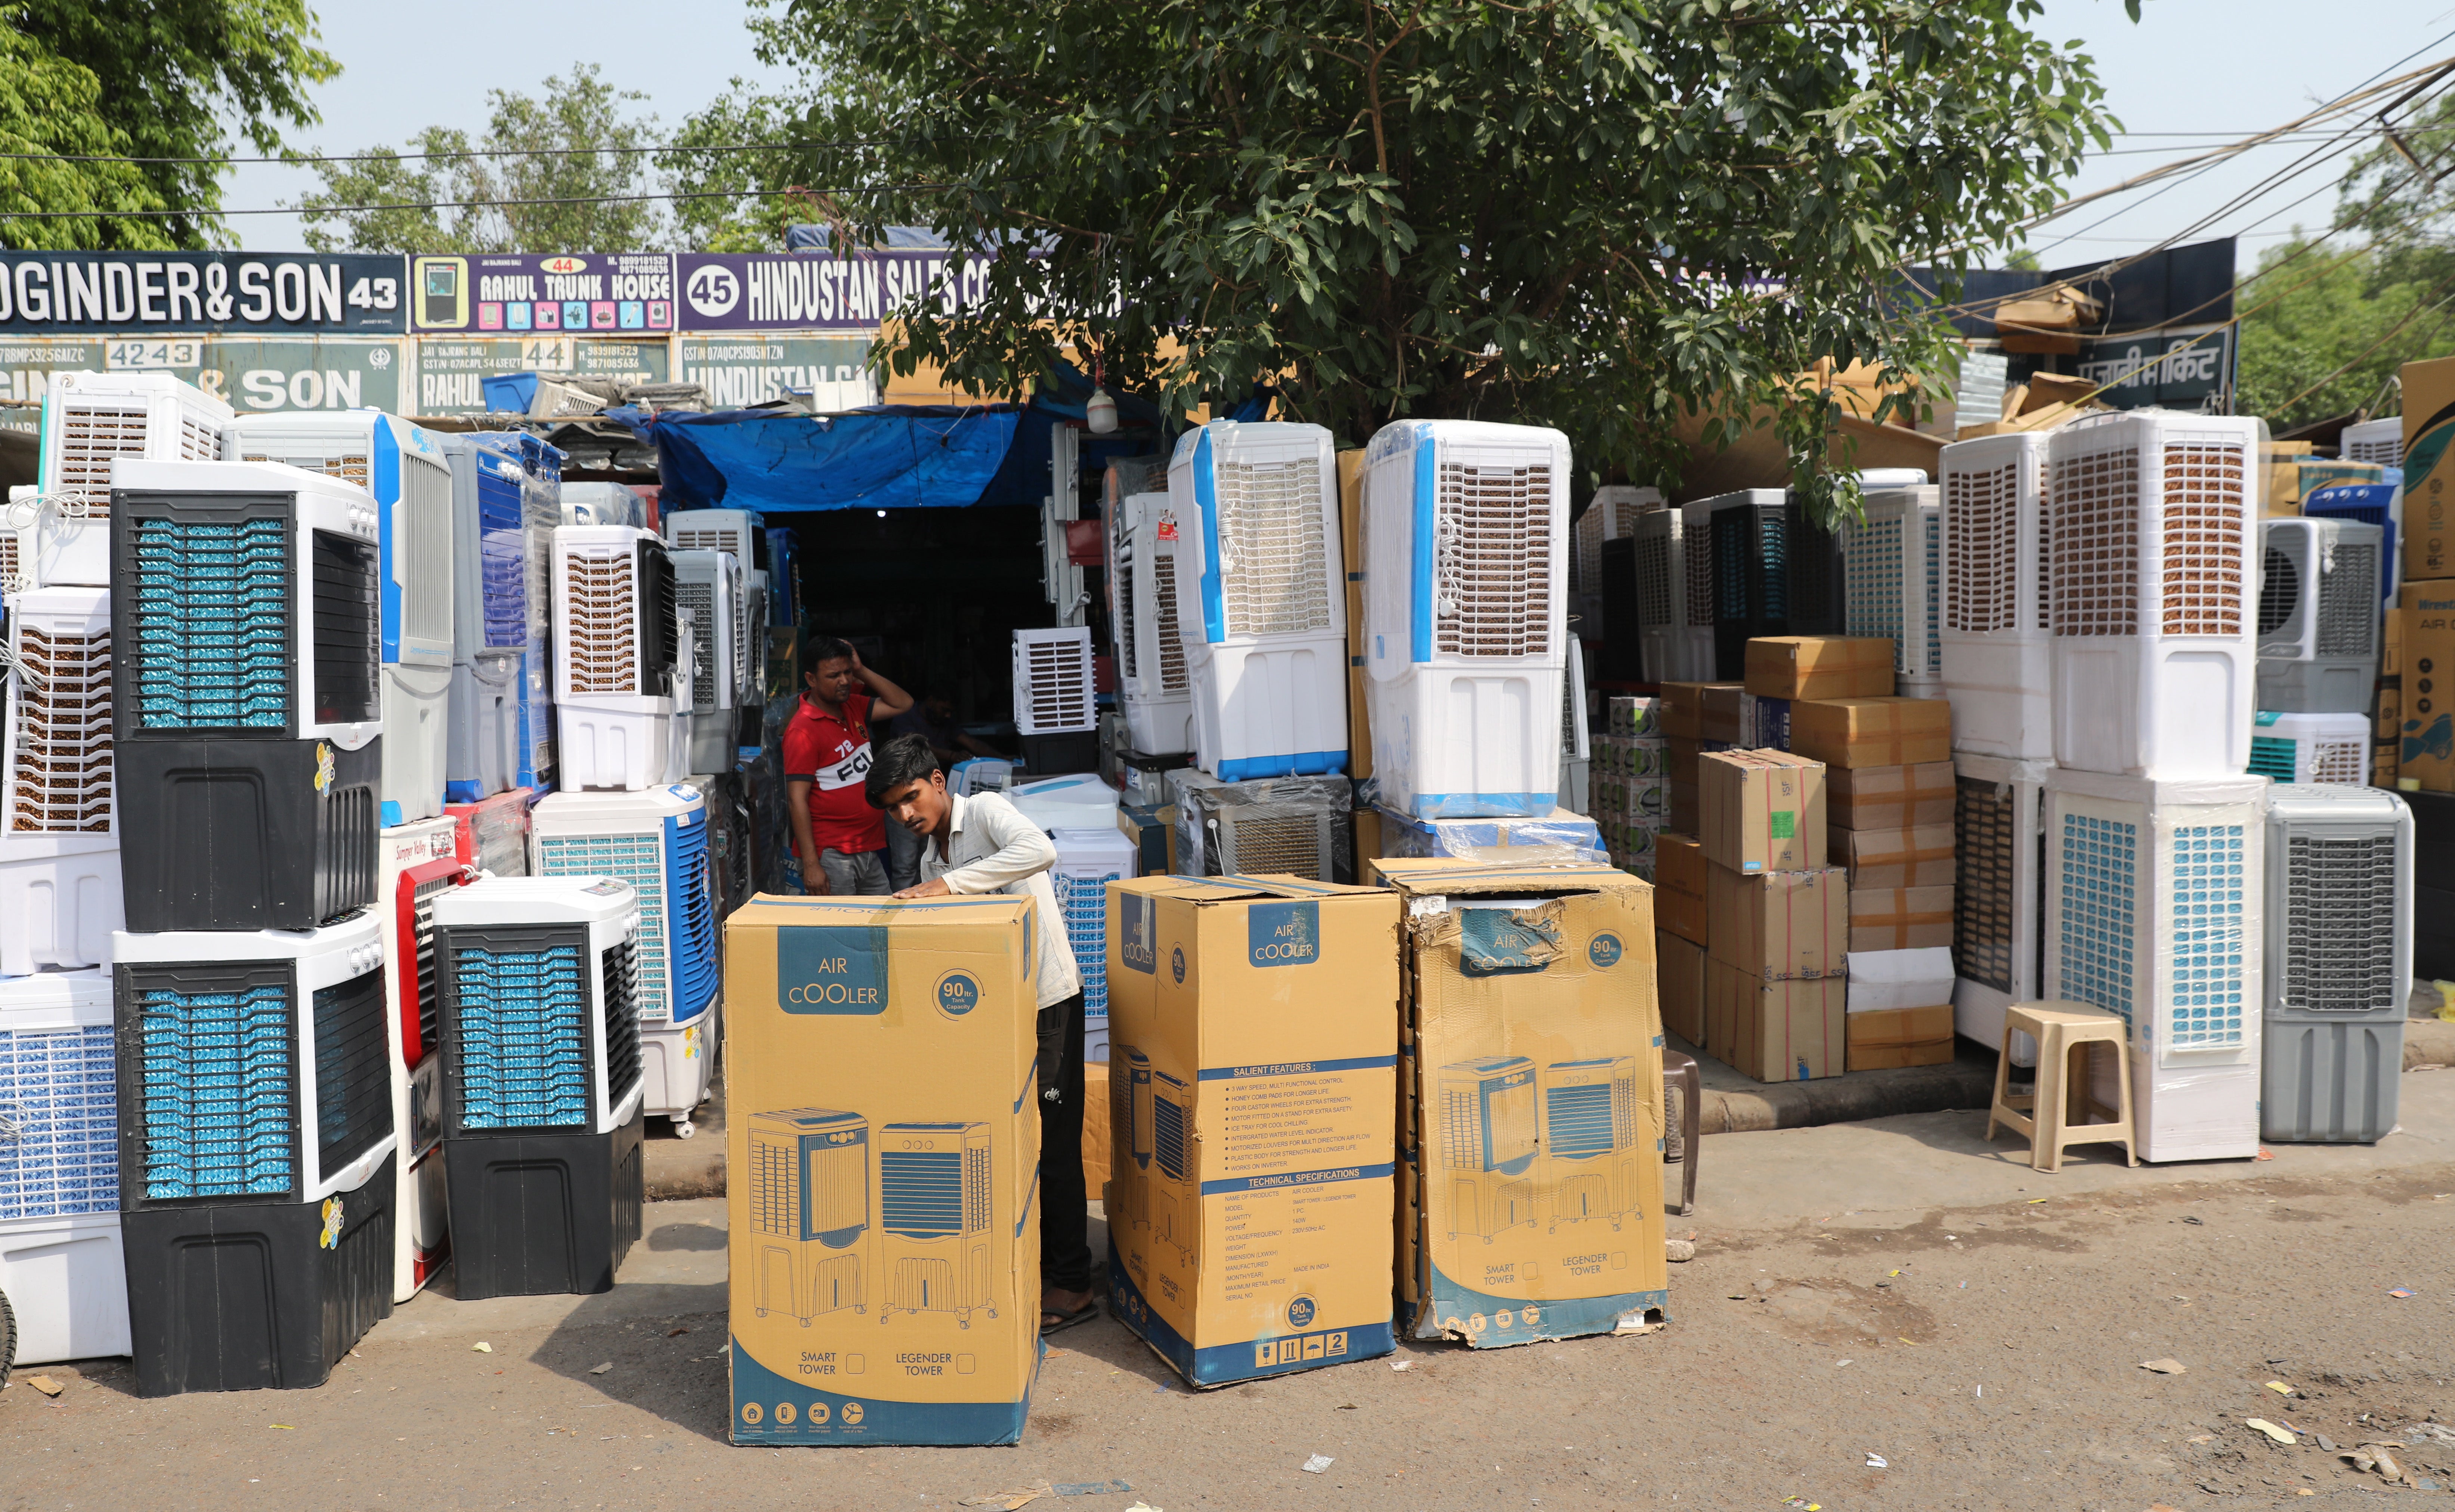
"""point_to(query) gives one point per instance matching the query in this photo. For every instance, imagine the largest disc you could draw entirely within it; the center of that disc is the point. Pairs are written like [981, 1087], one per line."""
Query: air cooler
[1812, 555]
[414, 862]
[404, 468]
[1596, 1127]
[483, 748]
[1746, 554]
[2311, 747]
[617, 641]
[2378, 441]
[1613, 511]
[59, 832]
[1087, 861]
[1056, 709]
[709, 585]
[256, 1152]
[2153, 893]
[493, 834]
[809, 1181]
[62, 1278]
[1892, 583]
[1151, 680]
[1998, 900]
[657, 842]
[1675, 598]
[1281, 826]
[1997, 651]
[539, 1027]
[1487, 1118]
[2376, 504]
[734, 532]
[2318, 616]
[2338, 963]
[2155, 608]
[1465, 593]
[603, 504]
[61, 532]
[933, 1214]
[247, 702]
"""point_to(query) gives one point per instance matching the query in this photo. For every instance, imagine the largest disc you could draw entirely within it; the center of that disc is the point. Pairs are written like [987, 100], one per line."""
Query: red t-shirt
[832, 755]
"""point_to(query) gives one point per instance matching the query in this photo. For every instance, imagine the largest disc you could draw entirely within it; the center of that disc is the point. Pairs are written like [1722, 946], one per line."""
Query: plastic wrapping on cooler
[617, 643]
[1560, 836]
[603, 504]
[1079, 801]
[493, 834]
[982, 775]
[483, 727]
[1152, 682]
[61, 1273]
[2378, 504]
[1300, 826]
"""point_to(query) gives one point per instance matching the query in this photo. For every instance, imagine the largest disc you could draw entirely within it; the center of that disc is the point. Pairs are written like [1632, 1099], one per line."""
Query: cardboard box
[1778, 1031]
[1920, 857]
[2428, 750]
[1637, 717]
[1368, 839]
[1889, 798]
[1256, 1022]
[1096, 1158]
[876, 1052]
[1872, 732]
[1681, 712]
[1681, 810]
[1819, 667]
[1884, 918]
[1351, 536]
[1153, 832]
[1889, 1037]
[1762, 811]
[1680, 872]
[1779, 925]
[1679, 758]
[1726, 713]
[1679, 966]
[2429, 528]
[1531, 990]
[1899, 979]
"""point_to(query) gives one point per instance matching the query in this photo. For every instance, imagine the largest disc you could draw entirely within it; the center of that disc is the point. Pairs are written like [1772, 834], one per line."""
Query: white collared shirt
[992, 848]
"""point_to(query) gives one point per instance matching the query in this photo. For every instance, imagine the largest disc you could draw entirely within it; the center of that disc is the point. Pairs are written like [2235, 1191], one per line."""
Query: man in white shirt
[980, 845]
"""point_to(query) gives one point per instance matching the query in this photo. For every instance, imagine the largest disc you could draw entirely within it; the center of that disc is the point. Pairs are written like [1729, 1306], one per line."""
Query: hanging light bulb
[1099, 413]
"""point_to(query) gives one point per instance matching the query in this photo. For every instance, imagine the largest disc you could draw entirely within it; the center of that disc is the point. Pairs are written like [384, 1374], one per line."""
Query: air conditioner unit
[504, 510]
[493, 834]
[2314, 748]
[59, 831]
[1052, 683]
[2379, 441]
[1151, 682]
[2153, 894]
[2155, 609]
[1261, 591]
[1613, 511]
[1997, 648]
[1818, 599]
[1487, 1145]
[2376, 504]
[541, 1081]
[603, 504]
[809, 1183]
[256, 1152]
[404, 469]
[617, 641]
[1293, 826]
[2318, 616]
[247, 696]
[1595, 1129]
[1893, 581]
[62, 1278]
[416, 862]
[91, 421]
[1465, 593]
[1675, 598]
[733, 530]
[709, 584]
[1748, 558]
[2338, 963]
[934, 1213]
[1087, 861]
[1999, 901]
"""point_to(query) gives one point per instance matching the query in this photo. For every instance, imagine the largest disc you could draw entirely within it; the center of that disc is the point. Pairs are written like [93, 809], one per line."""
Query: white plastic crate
[657, 841]
[1262, 594]
[1892, 576]
[616, 636]
[1151, 680]
[1997, 651]
[1674, 598]
[2319, 620]
[2153, 518]
[2321, 748]
[2154, 913]
[1613, 511]
[2338, 955]
[413, 863]
[1053, 692]
[1999, 901]
[731, 531]
[678, 1067]
[1466, 545]
[2380, 441]
[90, 420]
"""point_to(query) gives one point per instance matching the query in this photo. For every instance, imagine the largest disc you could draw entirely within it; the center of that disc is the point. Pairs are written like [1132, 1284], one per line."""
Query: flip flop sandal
[1082, 1314]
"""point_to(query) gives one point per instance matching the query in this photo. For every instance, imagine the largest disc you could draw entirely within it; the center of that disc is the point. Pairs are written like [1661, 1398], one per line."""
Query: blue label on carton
[1604, 951]
[1137, 930]
[831, 969]
[1284, 933]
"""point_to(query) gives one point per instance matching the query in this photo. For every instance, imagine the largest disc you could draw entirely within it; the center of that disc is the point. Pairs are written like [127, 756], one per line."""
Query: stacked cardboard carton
[1631, 783]
[1773, 998]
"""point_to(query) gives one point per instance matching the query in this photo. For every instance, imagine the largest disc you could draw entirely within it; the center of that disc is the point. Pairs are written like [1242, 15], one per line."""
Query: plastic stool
[2051, 1114]
[1680, 1071]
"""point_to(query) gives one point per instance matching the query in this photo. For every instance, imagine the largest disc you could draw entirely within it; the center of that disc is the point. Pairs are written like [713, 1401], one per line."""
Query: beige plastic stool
[2053, 1116]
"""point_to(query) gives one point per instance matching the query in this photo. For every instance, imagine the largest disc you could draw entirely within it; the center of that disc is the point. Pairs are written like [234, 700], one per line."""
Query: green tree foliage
[1600, 215]
[556, 174]
[49, 105]
[172, 78]
[2325, 331]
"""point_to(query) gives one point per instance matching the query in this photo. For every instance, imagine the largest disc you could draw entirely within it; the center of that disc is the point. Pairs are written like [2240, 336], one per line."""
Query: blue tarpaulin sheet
[901, 458]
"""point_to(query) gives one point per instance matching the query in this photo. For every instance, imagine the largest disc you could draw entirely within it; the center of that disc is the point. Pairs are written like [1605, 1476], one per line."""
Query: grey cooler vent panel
[2339, 953]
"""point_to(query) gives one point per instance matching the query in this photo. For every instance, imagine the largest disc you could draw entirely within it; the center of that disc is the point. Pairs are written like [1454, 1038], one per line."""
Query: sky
[2191, 73]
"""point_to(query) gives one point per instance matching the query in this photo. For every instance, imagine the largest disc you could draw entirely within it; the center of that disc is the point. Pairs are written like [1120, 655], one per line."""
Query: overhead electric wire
[468, 204]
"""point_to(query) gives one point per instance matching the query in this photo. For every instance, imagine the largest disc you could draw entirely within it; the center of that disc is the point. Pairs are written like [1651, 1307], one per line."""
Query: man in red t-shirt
[840, 839]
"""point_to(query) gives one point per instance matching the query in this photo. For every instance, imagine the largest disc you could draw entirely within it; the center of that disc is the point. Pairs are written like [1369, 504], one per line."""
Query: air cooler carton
[1252, 1065]
[1531, 1125]
[884, 1149]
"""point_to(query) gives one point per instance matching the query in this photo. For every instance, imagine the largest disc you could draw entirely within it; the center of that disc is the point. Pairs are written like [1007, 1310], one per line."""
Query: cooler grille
[2348, 612]
[1082, 897]
[57, 1092]
[1809, 548]
[1932, 522]
[349, 630]
[2202, 547]
[1876, 567]
[1170, 1136]
[430, 989]
[1129, 633]
[353, 1082]
[349, 467]
[2339, 924]
[603, 632]
[2100, 882]
[1982, 583]
[1057, 684]
[1288, 844]
[693, 918]
[1605, 520]
[2280, 591]
[215, 1086]
[1696, 554]
[521, 1036]
[2338, 760]
[211, 615]
[619, 968]
[1751, 564]
[2205, 896]
[1654, 603]
[60, 781]
[1171, 648]
[92, 433]
[1493, 553]
[1461, 1144]
[1984, 913]
[2272, 756]
[727, 538]
[700, 599]
[637, 860]
[931, 1193]
[1586, 1121]
[7, 562]
[1273, 580]
[2096, 575]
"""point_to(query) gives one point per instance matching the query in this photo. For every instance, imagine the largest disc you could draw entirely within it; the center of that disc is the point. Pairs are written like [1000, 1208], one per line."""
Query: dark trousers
[1065, 1210]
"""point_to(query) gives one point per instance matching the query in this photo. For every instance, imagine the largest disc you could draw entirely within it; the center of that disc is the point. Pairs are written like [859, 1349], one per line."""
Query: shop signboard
[125, 294]
[530, 292]
[450, 370]
[250, 374]
[813, 292]
[2186, 368]
[739, 371]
